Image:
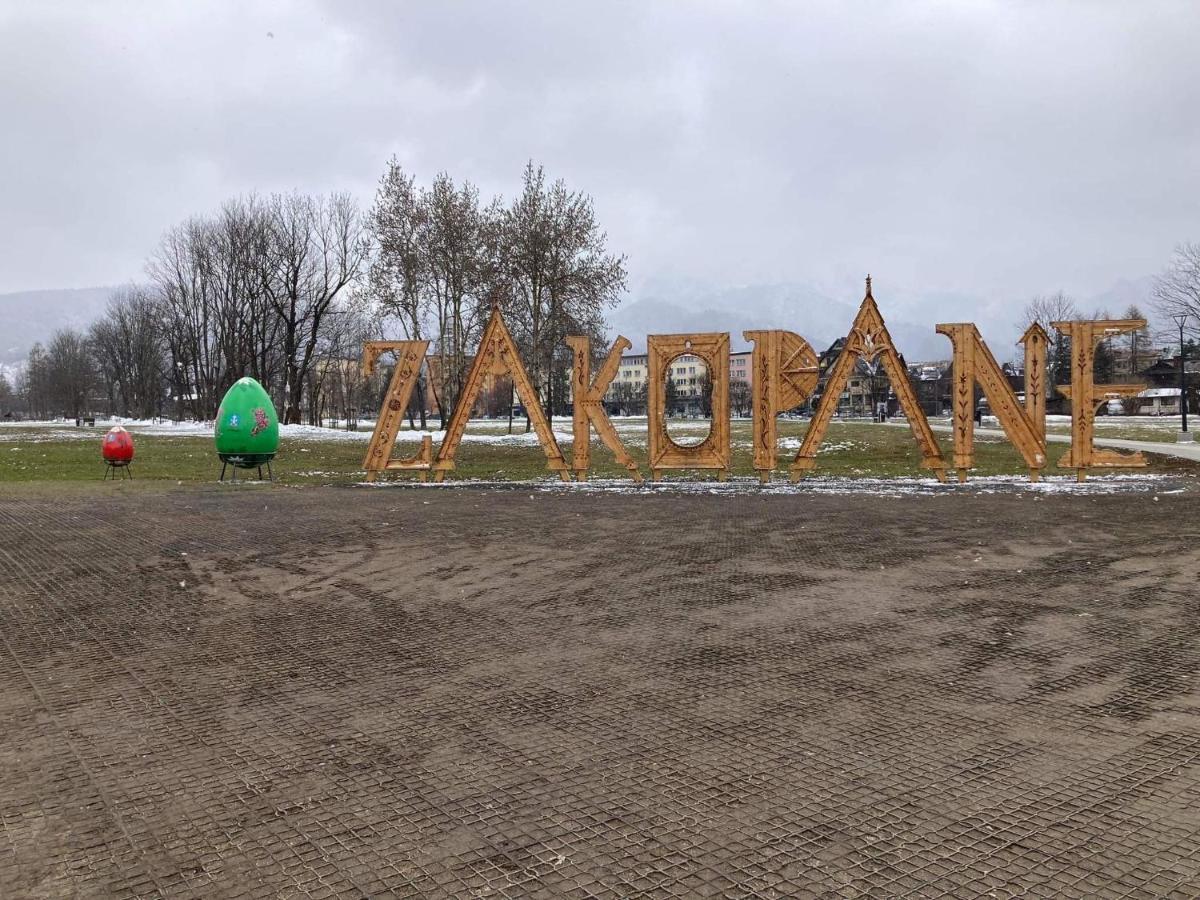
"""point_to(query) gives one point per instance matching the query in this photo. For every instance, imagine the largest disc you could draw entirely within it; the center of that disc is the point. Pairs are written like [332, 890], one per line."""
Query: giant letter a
[497, 356]
[869, 342]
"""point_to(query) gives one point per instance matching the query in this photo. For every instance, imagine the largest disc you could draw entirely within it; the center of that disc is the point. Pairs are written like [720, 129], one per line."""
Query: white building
[1159, 401]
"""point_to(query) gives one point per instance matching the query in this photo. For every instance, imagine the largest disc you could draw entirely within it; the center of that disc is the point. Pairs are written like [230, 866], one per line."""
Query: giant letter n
[974, 363]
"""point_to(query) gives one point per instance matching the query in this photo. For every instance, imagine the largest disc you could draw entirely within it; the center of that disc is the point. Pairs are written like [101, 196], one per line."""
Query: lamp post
[1180, 319]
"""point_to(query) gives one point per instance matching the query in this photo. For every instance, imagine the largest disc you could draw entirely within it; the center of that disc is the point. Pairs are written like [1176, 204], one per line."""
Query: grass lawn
[63, 454]
[1126, 430]
[1161, 429]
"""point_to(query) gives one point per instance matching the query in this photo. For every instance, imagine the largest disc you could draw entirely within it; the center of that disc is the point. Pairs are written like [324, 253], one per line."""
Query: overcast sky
[955, 150]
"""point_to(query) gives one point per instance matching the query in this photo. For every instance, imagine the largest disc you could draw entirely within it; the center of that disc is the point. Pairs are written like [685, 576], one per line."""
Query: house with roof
[1157, 401]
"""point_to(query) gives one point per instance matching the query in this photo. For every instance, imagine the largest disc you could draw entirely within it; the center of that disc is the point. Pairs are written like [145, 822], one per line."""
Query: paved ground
[425, 692]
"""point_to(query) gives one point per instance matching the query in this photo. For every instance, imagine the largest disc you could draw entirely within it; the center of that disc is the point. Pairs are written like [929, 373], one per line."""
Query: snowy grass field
[170, 453]
[1130, 428]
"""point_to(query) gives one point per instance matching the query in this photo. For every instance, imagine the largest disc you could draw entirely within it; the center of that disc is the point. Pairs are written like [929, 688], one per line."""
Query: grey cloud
[968, 155]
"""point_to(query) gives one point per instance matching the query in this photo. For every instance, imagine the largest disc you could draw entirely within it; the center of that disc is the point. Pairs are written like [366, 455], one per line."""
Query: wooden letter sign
[1086, 396]
[784, 369]
[1035, 340]
[973, 362]
[409, 357]
[588, 410]
[784, 373]
[869, 340]
[713, 452]
[498, 355]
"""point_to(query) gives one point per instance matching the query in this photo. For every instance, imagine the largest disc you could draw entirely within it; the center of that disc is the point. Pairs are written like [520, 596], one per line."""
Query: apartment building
[740, 367]
[628, 388]
[635, 369]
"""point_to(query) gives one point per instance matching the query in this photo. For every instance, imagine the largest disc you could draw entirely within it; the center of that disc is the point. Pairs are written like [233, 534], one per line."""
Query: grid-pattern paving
[469, 693]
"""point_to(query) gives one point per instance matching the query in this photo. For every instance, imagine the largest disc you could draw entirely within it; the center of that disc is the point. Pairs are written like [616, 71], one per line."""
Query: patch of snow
[1140, 483]
[478, 431]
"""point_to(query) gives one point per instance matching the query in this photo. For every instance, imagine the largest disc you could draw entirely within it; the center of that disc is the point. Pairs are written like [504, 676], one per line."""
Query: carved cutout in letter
[713, 452]
[1035, 340]
[409, 357]
[869, 340]
[498, 356]
[973, 362]
[784, 369]
[1086, 396]
[589, 410]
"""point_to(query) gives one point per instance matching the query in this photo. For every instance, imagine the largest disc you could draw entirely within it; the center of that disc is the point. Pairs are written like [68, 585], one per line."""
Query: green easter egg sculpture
[247, 428]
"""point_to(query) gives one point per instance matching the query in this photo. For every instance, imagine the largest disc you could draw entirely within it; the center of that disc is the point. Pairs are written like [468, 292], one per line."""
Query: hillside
[805, 310]
[31, 316]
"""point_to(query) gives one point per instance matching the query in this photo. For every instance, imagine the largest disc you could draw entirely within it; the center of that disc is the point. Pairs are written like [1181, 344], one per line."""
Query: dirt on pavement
[462, 692]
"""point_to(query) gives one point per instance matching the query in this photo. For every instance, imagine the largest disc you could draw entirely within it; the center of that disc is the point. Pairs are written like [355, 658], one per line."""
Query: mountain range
[680, 307]
[666, 307]
[32, 316]
[808, 311]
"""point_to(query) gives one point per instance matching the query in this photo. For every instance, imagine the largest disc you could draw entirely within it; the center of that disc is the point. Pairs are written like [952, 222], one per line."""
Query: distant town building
[1157, 401]
[932, 384]
[628, 389]
[866, 392]
[740, 367]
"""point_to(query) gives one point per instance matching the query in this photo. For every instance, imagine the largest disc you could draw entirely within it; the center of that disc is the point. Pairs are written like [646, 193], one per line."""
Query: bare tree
[248, 324]
[71, 371]
[180, 276]
[454, 246]
[34, 384]
[130, 351]
[248, 292]
[209, 276]
[7, 397]
[1045, 310]
[556, 263]
[336, 380]
[397, 279]
[317, 249]
[1177, 290]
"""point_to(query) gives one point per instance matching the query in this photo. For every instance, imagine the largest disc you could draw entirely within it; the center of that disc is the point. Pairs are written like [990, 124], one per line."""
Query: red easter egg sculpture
[117, 449]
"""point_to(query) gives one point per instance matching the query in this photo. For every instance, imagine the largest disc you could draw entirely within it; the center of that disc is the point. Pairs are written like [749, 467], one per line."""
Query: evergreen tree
[671, 396]
[706, 390]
